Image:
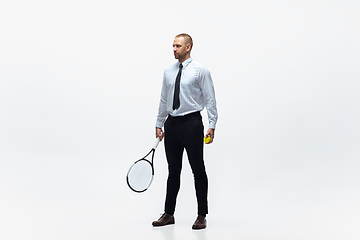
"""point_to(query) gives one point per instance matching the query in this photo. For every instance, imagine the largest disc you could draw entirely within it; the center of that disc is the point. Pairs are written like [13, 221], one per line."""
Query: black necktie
[176, 102]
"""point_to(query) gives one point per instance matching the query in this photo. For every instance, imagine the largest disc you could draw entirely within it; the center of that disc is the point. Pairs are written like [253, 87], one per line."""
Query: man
[187, 88]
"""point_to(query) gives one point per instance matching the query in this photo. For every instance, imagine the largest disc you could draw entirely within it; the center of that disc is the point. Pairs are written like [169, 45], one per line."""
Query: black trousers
[185, 132]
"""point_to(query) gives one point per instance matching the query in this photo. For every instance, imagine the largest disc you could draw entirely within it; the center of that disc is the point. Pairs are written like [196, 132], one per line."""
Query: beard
[178, 55]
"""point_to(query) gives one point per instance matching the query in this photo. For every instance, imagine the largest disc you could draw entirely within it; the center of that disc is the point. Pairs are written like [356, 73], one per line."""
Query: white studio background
[79, 89]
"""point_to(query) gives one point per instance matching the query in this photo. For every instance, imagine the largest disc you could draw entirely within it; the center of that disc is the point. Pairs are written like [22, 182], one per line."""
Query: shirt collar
[186, 62]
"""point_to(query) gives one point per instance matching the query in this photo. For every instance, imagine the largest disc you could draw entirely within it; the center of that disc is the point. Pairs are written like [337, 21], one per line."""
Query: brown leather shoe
[165, 219]
[200, 223]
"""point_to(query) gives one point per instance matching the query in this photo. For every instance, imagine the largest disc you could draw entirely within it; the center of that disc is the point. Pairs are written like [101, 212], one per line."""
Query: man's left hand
[210, 133]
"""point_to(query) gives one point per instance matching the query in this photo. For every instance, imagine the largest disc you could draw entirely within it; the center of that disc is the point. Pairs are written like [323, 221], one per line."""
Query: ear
[188, 47]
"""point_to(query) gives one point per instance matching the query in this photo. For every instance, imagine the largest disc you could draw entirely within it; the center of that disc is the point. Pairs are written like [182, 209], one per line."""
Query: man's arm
[208, 92]
[162, 113]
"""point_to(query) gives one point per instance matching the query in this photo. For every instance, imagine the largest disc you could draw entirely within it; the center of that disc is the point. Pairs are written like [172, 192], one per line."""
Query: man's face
[179, 48]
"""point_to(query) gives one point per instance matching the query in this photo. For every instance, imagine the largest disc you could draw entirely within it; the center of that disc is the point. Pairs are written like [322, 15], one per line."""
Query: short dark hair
[187, 38]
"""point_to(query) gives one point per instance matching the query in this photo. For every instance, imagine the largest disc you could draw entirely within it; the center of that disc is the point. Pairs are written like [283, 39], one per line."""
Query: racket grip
[156, 143]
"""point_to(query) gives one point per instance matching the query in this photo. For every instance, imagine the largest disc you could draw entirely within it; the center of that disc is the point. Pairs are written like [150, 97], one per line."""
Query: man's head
[182, 46]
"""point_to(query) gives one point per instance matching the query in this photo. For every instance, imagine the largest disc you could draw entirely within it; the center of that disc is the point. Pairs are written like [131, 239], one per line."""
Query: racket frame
[151, 164]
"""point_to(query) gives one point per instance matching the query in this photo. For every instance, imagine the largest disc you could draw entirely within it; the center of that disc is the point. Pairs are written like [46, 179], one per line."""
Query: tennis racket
[141, 173]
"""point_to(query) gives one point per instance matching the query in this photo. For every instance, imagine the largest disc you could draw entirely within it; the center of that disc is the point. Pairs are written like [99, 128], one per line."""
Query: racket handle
[156, 143]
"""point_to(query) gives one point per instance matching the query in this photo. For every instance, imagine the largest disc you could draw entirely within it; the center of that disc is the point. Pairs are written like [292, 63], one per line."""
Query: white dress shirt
[196, 92]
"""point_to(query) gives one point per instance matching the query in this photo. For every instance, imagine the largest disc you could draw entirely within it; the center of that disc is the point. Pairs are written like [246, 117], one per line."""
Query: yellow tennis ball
[207, 139]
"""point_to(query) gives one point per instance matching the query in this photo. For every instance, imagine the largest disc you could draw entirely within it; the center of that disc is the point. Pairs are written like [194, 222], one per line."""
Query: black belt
[185, 117]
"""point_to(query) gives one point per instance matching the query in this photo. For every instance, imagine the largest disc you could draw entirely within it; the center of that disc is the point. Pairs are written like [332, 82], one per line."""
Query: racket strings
[140, 175]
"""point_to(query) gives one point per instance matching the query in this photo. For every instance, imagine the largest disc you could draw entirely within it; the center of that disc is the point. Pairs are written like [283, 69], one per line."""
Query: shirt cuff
[159, 124]
[212, 125]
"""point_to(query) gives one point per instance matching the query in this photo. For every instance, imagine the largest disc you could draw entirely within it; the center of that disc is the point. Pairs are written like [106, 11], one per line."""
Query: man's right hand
[159, 133]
